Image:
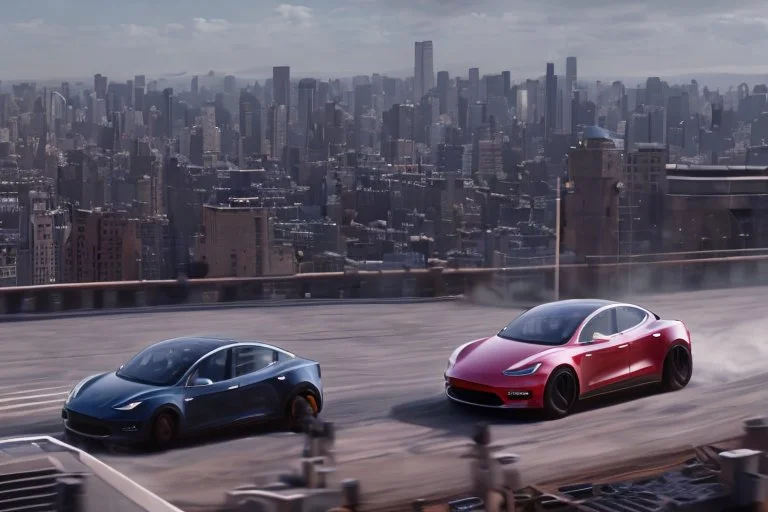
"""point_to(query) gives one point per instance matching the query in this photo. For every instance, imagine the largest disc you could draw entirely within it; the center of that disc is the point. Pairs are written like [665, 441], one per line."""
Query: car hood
[109, 390]
[494, 355]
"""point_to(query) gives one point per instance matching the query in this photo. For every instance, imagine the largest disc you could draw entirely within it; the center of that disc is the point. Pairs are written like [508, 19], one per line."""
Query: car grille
[87, 424]
[475, 397]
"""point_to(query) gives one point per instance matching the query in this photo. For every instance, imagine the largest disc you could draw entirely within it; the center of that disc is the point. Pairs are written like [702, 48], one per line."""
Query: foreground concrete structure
[42, 473]
[647, 274]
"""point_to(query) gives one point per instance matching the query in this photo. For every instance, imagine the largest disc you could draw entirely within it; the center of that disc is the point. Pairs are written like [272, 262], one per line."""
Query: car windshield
[550, 324]
[165, 363]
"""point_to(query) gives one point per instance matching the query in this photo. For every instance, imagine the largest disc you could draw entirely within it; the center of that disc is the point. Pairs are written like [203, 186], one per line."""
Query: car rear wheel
[299, 413]
[164, 431]
[678, 369]
[561, 393]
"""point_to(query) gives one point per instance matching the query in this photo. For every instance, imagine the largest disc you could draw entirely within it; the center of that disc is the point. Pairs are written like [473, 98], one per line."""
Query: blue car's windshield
[163, 364]
[550, 324]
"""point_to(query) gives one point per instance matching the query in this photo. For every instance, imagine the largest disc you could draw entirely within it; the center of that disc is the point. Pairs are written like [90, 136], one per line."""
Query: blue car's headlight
[128, 407]
[522, 372]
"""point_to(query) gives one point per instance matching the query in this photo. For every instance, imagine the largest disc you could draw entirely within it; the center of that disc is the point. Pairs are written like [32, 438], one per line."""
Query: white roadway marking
[26, 414]
[32, 404]
[31, 397]
[36, 390]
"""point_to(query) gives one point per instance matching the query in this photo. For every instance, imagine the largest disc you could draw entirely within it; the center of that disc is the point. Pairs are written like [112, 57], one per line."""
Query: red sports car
[557, 353]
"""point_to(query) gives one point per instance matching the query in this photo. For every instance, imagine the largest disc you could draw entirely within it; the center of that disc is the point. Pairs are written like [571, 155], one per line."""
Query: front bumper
[518, 393]
[113, 430]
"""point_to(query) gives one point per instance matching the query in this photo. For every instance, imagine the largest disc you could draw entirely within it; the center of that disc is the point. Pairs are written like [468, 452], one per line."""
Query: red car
[555, 354]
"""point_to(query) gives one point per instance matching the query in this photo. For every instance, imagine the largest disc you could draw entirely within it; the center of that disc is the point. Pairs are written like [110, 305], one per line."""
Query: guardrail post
[756, 434]
[438, 281]
[350, 489]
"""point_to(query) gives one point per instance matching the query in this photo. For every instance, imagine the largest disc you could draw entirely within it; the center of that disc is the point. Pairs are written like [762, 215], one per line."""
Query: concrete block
[749, 489]
[756, 434]
[738, 461]
[350, 490]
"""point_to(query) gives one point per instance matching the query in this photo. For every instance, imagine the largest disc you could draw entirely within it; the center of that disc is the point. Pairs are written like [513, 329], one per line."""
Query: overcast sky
[71, 38]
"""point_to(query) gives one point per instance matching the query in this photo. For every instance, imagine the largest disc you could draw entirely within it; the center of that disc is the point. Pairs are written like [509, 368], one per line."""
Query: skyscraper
[550, 100]
[168, 112]
[424, 70]
[250, 123]
[307, 93]
[281, 86]
[570, 85]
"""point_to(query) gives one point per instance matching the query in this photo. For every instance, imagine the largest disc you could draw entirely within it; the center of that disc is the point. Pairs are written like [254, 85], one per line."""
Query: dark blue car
[188, 385]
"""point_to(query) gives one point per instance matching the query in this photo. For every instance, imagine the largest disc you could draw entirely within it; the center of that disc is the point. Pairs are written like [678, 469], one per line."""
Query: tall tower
[550, 101]
[570, 84]
[281, 87]
[424, 70]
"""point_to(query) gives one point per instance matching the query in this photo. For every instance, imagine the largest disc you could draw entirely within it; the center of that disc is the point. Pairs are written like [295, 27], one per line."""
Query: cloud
[210, 26]
[346, 37]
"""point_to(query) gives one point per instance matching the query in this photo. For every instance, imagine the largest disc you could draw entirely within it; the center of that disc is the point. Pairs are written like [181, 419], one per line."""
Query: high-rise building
[103, 246]
[424, 70]
[100, 86]
[250, 124]
[571, 76]
[474, 86]
[281, 85]
[306, 97]
[236, 242]
[210, 130]
[591, 221]
[443, 85]
[550, 100]
[168, 112]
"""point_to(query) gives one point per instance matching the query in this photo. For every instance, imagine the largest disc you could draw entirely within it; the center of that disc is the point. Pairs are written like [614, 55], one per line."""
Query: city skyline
[345, 37]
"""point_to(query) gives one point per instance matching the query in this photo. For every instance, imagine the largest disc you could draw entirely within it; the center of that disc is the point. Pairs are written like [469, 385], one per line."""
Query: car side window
[252, 359]
[601, 325]
[213, 367]
[628, 317]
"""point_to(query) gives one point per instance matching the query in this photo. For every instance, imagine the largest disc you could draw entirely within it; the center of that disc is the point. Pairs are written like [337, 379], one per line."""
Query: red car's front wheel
[561, 393]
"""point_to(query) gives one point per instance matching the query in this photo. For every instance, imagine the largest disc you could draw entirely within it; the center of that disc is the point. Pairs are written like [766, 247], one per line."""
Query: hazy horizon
[51, 39]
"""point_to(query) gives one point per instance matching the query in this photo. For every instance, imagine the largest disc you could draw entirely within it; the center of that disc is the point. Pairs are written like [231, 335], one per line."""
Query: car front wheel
[561, 393]
[163, 431]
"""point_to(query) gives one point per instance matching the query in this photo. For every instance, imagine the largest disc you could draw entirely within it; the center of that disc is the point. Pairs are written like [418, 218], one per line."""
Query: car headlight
[522, 372]
[456, 353]
[131, 406]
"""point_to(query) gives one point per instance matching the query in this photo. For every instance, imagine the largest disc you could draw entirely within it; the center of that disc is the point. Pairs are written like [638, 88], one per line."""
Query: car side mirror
[202, 382]
[600, 339]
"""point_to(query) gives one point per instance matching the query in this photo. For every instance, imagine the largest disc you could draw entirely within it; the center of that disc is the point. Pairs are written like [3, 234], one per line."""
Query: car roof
[203, 343]
[207, 344]
[590, 305]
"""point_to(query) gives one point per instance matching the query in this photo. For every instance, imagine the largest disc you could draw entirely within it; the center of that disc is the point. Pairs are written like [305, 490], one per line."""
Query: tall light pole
[557, 242]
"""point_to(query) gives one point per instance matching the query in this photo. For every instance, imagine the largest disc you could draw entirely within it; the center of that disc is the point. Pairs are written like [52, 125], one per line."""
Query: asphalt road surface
[382, 368]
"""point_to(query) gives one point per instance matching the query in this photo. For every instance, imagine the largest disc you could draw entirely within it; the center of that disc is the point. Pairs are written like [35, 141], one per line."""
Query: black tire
[164, 431]
[678, 369]
[299, 413]
[560, 393]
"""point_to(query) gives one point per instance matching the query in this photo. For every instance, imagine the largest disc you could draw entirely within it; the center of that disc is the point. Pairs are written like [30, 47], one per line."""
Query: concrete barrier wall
[522, 283]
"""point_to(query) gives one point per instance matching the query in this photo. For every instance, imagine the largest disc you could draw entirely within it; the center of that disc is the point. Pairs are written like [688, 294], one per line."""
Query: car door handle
[657, 335]
[281, 377]
[189, 399]
[589, 355]
[624, 345]
[230, 388]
